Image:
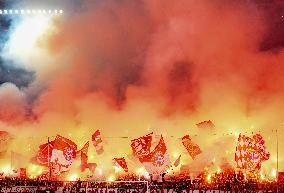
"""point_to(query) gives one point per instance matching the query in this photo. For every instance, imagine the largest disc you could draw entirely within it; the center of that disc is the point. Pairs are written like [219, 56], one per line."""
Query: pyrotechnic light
[28, 11]
[117, 169]
[6, 169]
[219, 170]
[100, 172]
[208, 178]
[73, 177]
[140, 170]
[273, 173]
[262, 176]
[111, 178]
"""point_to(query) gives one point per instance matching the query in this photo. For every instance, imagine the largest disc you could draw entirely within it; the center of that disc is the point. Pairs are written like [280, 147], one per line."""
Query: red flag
[205, 125]
[42, 155]
[97, 142]
[281, 177]
[23, 173]
[192, 148]
[157, 162]
[84, 156]
[63, 153]
[92, 167]
[177, 162]
[251, 152]
[84, 161]
[84, 149]
[141, 146]
[122, 163]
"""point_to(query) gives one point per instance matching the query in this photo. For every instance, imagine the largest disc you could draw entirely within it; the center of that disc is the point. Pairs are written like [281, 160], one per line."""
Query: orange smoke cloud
[164, 66]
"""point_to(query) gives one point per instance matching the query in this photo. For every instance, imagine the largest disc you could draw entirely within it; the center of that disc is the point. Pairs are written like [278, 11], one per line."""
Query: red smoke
[133, 64]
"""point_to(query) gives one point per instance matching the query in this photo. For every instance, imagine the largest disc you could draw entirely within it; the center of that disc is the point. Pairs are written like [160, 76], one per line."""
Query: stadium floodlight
[30, 11]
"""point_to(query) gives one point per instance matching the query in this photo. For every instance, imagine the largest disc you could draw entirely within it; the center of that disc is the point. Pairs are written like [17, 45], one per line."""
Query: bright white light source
[73, 177]
[273, 173]
[111, 178]
[23, 40]
[33, 11]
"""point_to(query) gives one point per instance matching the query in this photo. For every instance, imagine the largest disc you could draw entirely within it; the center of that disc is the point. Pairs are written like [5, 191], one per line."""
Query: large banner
[34, 189]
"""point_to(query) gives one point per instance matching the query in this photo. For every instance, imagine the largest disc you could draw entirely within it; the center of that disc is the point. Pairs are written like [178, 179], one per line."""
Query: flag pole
[277, 169]
[49, 177]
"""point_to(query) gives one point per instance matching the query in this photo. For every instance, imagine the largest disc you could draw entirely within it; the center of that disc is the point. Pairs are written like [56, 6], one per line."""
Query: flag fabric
[177, 162]
[84, 159]
[192, 148]
[122, 163]
[157, 161]
[84, 162]
[97, 142]
[281, 177]
[23, 173]
[84, 149]
[84, 156]
[141, 146]
[63, 153]
[92, 167]
[42, 156]
[251, 152]
[205, 125]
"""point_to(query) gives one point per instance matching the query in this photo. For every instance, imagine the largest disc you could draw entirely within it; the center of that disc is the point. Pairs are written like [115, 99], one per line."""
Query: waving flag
[192, 148]
[141, 146]
[97, 142]
[177, 162]
[205, 125]
[63, 153]
[84, 149]
[122, 163]
[157, 161]
[84, 156]
[251, 152]
[83, 153]
[42, 155]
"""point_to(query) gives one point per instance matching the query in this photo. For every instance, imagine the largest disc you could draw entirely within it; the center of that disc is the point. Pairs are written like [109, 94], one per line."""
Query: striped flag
[122, 163]
[192, 148]
[97, 142]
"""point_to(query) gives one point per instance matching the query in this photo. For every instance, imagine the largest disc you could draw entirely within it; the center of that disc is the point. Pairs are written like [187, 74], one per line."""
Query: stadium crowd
[231, 182]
